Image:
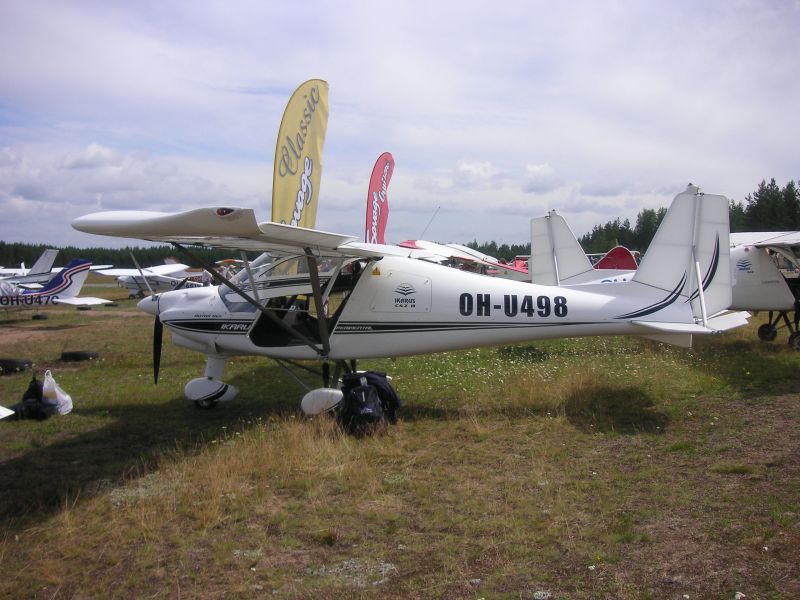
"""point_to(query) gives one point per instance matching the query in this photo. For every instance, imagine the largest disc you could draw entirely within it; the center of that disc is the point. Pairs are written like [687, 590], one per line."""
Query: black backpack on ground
[368, 403]
[31, 406]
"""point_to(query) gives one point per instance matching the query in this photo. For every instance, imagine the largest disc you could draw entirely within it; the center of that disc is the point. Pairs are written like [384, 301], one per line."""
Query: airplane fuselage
[400, 306]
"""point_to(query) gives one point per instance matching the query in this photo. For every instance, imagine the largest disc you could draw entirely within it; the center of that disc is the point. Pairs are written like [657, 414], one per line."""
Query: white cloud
[94, 156]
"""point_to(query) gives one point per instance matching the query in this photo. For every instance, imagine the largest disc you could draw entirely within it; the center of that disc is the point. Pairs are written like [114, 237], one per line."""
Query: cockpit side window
[299, 310]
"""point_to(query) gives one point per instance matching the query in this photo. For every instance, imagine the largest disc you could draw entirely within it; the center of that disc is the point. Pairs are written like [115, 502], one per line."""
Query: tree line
[769, 208]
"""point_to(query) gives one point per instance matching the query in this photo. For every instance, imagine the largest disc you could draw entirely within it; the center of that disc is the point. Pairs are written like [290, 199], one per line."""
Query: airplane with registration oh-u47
[62, 288]
[326, 297]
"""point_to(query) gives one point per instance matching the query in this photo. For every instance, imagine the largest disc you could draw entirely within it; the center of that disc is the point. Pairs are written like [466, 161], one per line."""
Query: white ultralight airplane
[758, 284]
[62, 288]
[328, 297]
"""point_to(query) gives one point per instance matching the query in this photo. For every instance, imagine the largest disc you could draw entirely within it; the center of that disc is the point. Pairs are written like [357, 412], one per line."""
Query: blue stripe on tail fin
[67, 282]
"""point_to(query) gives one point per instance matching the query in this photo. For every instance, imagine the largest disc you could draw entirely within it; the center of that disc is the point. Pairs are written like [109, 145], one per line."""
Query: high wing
[765, 239]
[221, 227]
[82, 301]
[785, 243]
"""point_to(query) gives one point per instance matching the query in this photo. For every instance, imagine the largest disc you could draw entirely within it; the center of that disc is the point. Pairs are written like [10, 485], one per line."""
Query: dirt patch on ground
[9, 336]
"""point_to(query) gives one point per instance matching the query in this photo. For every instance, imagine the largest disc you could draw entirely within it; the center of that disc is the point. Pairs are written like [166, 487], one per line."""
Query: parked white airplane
[331, 298]
[760, 285]
[159, 278]
[465, 258]
[63, 288]
[40, 272]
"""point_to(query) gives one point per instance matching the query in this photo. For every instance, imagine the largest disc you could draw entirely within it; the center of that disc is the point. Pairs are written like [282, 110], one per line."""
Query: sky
[495, 112]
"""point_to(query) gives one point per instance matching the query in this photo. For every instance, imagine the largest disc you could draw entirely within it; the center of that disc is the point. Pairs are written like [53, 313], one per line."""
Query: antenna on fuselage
[436, 212]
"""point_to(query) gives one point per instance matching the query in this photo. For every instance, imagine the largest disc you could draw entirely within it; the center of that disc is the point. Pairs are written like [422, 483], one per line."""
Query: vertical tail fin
[618, 258]
[68, 282]
[691, 249]
[44, 263]
[556, 254]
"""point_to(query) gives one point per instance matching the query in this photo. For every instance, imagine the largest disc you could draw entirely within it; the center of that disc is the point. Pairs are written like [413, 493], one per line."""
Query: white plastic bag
[55, 400]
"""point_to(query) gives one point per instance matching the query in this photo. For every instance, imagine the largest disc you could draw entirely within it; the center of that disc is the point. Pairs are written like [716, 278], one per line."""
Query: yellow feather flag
[298, 155]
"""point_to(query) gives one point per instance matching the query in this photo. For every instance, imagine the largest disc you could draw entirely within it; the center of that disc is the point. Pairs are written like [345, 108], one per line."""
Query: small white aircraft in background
[760, 285]
[63, 288]
[558, 259]
[453, 255]
[159, 278]
[326, 297]
[39, 273]
[464, 258]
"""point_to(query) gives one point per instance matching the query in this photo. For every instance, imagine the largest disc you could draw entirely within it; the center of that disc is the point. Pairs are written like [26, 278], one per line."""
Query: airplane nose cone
[149, 305]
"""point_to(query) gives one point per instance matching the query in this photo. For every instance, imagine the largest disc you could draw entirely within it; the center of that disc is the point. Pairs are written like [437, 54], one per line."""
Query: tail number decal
[27, 300]
[543, 306]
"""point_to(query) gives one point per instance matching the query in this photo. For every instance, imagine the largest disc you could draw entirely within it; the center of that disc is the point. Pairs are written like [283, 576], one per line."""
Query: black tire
[9, 366]
[79, 355]
[39, 317]
[767, 333]
[205, 404]
[84, 308]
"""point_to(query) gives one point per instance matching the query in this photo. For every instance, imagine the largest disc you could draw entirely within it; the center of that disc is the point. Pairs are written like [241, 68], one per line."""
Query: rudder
[692, 246]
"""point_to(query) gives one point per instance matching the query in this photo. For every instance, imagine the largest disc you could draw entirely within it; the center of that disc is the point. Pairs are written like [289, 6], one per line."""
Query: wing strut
[322, 316]
[147, 283]
[270, 315]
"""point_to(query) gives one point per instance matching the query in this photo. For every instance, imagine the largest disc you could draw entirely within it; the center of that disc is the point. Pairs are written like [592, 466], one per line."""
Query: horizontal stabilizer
[683, 340]
[728, 320]
[82, 301]
[717, 323]
[671, 327]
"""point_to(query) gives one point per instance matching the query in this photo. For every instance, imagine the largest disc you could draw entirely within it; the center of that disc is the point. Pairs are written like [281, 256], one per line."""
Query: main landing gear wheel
[767, 333]
[205, 392]
[205, 404]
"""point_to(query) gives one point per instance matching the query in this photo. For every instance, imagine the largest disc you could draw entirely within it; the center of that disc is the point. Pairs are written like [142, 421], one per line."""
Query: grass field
[587, 468]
